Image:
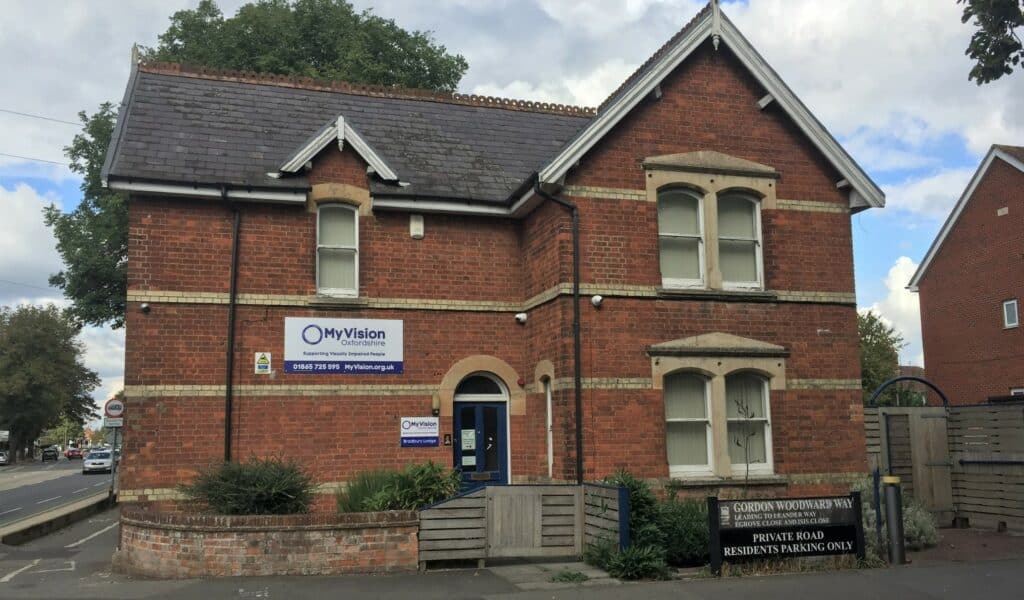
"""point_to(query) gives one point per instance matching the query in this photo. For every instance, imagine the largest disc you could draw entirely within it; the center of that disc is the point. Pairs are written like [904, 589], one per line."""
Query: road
[30, 488]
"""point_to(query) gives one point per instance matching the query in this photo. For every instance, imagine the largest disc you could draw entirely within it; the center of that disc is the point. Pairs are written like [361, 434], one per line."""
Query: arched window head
[479, 385]
[681, 237]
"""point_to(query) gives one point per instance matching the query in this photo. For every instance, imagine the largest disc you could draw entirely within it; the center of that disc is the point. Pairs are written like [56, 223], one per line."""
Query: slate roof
[1014, 151]
[201, 127]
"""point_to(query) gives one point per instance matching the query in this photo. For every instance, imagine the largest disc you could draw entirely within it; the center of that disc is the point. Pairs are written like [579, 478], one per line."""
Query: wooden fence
[522, 521]
[964, 462]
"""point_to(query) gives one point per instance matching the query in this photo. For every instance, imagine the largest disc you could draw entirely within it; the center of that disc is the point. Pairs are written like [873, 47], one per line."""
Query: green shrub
[599, 554]
[362, 490]
[412, 488]
[638, 562]
[567, 576]
[919, 526]
[643, 506]
[684, 525]
[269, 486]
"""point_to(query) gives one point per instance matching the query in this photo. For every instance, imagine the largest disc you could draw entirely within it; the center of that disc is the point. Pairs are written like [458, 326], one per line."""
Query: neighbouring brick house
[427, 239]
[971, 283]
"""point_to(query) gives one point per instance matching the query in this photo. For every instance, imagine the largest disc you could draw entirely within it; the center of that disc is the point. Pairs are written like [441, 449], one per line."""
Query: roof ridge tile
[379, 91]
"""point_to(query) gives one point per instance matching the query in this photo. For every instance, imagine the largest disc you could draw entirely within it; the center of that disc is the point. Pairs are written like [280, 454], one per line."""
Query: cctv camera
[597, 300]
[144, 307]
[521, 318]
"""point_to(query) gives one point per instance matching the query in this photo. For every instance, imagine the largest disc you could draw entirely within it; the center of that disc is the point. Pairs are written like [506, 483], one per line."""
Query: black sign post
[784, 527]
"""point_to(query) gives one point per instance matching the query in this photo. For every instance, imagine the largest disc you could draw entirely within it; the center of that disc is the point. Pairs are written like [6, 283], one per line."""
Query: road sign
[5, 435]
[113, 422]
[114, 408]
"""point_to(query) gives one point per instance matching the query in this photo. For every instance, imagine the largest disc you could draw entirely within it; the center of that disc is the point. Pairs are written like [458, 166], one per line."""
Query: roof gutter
[199, 190]
[576, 341]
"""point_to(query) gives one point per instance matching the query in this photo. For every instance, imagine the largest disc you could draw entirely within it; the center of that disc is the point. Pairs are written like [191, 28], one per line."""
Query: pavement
[74, 563]
[32, 488]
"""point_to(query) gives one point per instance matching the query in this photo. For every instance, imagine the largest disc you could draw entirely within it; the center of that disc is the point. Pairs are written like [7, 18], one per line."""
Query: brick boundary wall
[183, 546]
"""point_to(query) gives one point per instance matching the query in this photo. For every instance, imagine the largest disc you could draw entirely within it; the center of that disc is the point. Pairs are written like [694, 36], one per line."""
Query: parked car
[50, 453]
[71, 453]
[98, 461]
[3, 457]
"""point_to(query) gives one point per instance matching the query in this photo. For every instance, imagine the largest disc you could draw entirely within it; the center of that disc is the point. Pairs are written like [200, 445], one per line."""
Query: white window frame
[1006, 314]
[758, 260]
[337, 292]
[768, 466]
[678, 283]
[706, 469]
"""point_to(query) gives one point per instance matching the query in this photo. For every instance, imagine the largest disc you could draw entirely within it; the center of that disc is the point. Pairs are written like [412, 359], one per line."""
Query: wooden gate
[912, 443]
[523, 521]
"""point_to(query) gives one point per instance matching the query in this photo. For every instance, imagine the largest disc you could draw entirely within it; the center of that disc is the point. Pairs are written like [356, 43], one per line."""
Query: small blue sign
[414, 442]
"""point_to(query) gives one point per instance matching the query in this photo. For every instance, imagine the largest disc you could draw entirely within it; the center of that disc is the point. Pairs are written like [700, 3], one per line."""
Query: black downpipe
[577, 351]
[232, 297]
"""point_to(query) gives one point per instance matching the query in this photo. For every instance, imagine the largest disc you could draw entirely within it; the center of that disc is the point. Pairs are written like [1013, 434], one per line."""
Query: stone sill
[706, 482]
[338, 301]
[721, 295]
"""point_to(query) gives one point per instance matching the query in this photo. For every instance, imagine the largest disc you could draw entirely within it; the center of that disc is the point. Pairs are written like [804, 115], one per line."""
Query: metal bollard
[894, 519]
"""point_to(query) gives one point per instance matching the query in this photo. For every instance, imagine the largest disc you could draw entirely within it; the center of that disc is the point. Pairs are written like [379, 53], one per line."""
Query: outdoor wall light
[596, 300]
[435, 405]
[521, 318]
[144, 307]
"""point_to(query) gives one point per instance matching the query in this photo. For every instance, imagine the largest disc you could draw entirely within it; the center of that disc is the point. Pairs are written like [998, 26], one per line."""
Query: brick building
[400, 254]
[971, 283]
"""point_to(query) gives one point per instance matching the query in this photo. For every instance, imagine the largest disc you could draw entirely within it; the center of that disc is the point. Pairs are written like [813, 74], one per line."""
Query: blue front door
[481, 443]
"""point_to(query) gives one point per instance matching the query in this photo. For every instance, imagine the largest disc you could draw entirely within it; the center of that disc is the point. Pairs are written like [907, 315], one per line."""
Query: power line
[32, 116]
[42, 160]
[28, 285]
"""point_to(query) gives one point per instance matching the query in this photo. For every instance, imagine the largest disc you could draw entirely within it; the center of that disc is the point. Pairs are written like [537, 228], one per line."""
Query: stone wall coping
[237, 523]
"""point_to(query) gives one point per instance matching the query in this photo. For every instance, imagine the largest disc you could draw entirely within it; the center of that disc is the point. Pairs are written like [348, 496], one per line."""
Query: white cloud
[28, 252]
[900, 309]
[931, 196]
[596, 17]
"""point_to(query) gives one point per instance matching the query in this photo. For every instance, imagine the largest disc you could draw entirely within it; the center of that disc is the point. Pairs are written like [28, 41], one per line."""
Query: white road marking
[89, 537]
[99, 484]
[10, 511]
[81, 490]
[47, 500]
[11, 575]
[71, 568]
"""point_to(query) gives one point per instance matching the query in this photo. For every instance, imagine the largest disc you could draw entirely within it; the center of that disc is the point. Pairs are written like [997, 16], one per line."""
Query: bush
[600, 553]
[638, 562]
[269, 486]
[416, 486]
[684, 524]
[919, 526]
[643, 506]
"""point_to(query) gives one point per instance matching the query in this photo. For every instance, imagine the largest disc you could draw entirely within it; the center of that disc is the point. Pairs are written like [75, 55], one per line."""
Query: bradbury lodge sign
[784, 527]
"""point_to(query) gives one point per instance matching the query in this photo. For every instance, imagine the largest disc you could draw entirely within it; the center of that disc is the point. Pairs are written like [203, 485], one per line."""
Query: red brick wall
[178, 546]
[709, 104]
[967, 351]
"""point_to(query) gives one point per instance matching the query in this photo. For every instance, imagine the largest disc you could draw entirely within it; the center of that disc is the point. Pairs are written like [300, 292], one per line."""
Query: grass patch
[567, 576]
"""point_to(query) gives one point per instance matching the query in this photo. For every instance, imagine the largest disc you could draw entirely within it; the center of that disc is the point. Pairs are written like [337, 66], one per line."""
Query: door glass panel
[490, 441]
[467, 435]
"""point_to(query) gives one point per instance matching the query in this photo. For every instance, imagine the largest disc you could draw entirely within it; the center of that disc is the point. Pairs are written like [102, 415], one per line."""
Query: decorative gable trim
[863, 194]
[993, 153]
[339, 130]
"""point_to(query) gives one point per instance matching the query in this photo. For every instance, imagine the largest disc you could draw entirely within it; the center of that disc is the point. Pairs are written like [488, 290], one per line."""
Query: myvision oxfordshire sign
[342, 346]
[784, 527]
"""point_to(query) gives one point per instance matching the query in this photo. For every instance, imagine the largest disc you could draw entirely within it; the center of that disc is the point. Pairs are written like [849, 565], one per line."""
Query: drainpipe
[577, 352]
[232, 297]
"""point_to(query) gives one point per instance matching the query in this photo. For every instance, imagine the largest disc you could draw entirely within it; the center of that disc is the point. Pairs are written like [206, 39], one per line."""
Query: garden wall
[179, 546]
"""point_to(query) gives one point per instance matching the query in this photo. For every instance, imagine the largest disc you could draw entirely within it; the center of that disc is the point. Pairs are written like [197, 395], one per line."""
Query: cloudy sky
[889, 80]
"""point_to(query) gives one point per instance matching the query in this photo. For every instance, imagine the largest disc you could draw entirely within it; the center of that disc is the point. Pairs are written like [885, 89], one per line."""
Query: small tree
[880, 345]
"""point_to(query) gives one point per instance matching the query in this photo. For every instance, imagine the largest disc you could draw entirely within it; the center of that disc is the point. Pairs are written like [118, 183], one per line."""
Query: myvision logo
[314, 334]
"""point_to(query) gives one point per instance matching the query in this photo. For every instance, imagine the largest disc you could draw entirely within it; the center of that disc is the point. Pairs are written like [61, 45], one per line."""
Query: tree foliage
[880, 345]
[42, 378]
[326, 39]
[93, 238]
[995, 46]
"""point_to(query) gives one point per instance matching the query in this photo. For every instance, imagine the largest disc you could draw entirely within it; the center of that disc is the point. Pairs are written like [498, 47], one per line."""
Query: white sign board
[113, 422]
[419, 431]
[5, 435]
[342, 346]
[263, 363]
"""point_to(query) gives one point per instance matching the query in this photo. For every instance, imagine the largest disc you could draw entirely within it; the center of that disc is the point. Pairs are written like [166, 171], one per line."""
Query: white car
[101, 461]
[3, 457]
